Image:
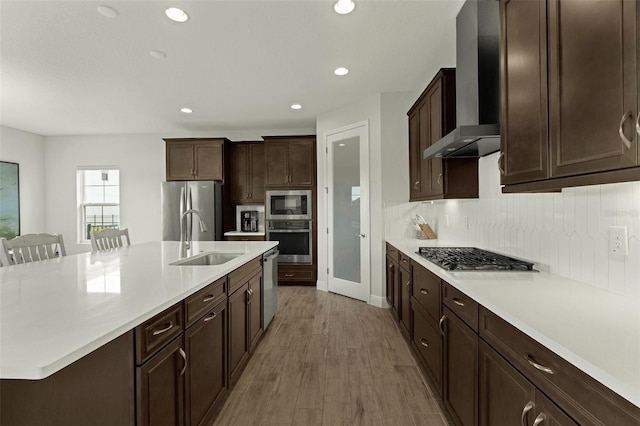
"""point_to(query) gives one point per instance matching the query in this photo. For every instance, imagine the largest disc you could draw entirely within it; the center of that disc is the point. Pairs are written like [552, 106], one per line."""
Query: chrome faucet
[185, 243]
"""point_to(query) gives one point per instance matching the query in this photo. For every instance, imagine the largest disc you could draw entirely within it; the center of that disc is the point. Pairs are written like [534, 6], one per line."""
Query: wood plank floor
[331, 360]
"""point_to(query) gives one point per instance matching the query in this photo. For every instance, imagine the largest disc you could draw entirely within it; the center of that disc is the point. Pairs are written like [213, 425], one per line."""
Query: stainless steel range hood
[477, 84]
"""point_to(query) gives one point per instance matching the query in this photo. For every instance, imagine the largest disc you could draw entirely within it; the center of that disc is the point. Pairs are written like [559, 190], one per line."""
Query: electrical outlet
[618, 240]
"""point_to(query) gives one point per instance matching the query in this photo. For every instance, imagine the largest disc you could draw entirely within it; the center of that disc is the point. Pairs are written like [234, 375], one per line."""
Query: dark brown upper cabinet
[247, 173]
[431, 117]
[290, 161]
[195, 159]
[569, 93]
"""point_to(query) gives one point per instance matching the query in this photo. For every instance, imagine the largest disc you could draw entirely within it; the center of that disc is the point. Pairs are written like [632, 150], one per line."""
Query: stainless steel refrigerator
[179, 196]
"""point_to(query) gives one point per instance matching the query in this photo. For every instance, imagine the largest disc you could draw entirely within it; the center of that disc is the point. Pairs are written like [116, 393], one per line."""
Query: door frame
[360, 129]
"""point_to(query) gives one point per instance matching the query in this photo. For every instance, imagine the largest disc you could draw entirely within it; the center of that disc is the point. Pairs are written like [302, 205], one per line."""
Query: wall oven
[289, 205]
[295, 240]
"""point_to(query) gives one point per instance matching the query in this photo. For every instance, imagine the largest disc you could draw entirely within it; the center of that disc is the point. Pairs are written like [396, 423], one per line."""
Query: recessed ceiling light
[344, 6]
[341, 71]
[158, 54]
[108, 11]
[176, 14]
[186, 110]
[296, 106]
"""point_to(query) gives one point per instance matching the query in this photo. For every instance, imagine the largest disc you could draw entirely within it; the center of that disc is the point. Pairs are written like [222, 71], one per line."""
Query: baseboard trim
[380, 302]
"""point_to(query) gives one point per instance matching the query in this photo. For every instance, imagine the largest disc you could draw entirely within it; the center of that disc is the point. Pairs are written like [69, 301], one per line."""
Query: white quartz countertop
[54, 312]
[596, 330]
[243, 234]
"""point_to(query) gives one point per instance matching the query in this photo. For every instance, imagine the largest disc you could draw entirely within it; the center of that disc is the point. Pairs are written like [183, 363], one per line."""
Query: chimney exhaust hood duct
[477, 84]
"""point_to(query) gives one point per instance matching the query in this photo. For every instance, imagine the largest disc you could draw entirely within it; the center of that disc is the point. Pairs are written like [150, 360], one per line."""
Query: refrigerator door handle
[183, 202]
[190, 217]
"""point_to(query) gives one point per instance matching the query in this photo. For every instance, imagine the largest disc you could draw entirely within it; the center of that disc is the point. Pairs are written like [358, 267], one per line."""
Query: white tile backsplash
[565, 233]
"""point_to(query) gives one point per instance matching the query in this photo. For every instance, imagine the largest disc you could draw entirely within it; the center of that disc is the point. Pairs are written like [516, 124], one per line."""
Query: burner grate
[471, 258]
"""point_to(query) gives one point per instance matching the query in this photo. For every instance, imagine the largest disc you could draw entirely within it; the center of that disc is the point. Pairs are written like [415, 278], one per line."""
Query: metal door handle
[500, 158]
[361, 235]
[440, 179]
[441, 324]
[525, 410]
[423, 291]
[163, 330]
[625, 140]
[184, 357]
[415, 185]
[208, 298]
[540, 419]
[457, 302]
[209, 317]
[537, 366]
[638, 124]
[424, 343]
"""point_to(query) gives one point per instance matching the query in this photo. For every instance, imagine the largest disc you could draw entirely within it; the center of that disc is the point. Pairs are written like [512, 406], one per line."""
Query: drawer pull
[457, 302]
[405, 261]
[408, 283]
[184, 357]
[624, 138]
[423, 291]
[208, 298]
[424, 343]
[525, 411]
[209, 317]
[441, 324]
[288, 275]
[540, 419]
[537, 366]
[163, 330]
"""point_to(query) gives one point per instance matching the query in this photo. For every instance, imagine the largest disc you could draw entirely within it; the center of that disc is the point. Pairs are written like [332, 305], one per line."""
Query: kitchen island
[54, 313]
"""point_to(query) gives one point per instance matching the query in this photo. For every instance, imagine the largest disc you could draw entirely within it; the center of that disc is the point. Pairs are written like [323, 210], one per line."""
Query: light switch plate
[618, 240]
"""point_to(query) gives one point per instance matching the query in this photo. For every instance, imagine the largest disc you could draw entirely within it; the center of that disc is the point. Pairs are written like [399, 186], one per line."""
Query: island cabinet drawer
[405, 262]
[393, 253]
[426, 292]
[153, 334]
[241, 275]
[199, 303]
[586, 400]
[460, 304]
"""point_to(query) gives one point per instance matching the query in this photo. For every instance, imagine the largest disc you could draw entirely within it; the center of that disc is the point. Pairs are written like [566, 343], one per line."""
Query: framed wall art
[9, 200]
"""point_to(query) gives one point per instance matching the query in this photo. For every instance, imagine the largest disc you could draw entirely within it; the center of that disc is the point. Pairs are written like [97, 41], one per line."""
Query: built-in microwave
[289, 205]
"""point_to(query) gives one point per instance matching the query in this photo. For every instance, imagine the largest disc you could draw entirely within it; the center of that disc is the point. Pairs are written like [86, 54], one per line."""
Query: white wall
[564, 233]
[141, 160]
[27, 149]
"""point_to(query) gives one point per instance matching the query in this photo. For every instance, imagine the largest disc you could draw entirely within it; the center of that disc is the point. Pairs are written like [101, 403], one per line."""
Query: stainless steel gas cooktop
[472, 259]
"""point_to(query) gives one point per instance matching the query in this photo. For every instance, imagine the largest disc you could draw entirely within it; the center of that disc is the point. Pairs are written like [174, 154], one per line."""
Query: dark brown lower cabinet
[160, 387]
[206, 380]
[428, 343]
[390, 282]
[238, 341]
[507, 398]
[404, 288]
[255, 311]
[460, 381]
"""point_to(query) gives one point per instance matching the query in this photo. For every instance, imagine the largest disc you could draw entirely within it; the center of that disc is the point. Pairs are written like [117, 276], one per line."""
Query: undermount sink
[207, 259]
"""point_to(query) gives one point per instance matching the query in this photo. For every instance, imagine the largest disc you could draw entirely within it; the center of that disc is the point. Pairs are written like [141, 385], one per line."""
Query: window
[98, 200]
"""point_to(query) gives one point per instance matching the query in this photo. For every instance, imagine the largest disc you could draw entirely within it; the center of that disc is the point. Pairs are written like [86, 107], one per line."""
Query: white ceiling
[66, 69]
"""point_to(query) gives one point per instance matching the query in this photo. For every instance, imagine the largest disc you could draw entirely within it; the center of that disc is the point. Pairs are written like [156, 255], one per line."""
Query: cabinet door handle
[209, 317]
[424, 343]
[415, 185]
[540, 419]
[638, 124]
[288, 275]
[625, 140]
[538, 366]
[408, 283]
[208, 298]
[500, 167]
[390, 268]
[440, 179]
[525, 411]
[441, 324]
[423, 291]
[184, 358]
[163, 330]
[457, 302]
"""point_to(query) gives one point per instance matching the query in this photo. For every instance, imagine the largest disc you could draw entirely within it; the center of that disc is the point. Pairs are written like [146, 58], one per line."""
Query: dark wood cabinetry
[460, 382]
[430, 118]
[404, 288]
[247, 172]
[255, 322]
[290, 161]
[393, 289]
[161, 386]
[195, 159]
[206, 375]
[568, 117]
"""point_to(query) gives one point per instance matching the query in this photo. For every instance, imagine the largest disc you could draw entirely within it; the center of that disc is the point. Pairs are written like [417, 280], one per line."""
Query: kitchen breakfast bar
[68, 350]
